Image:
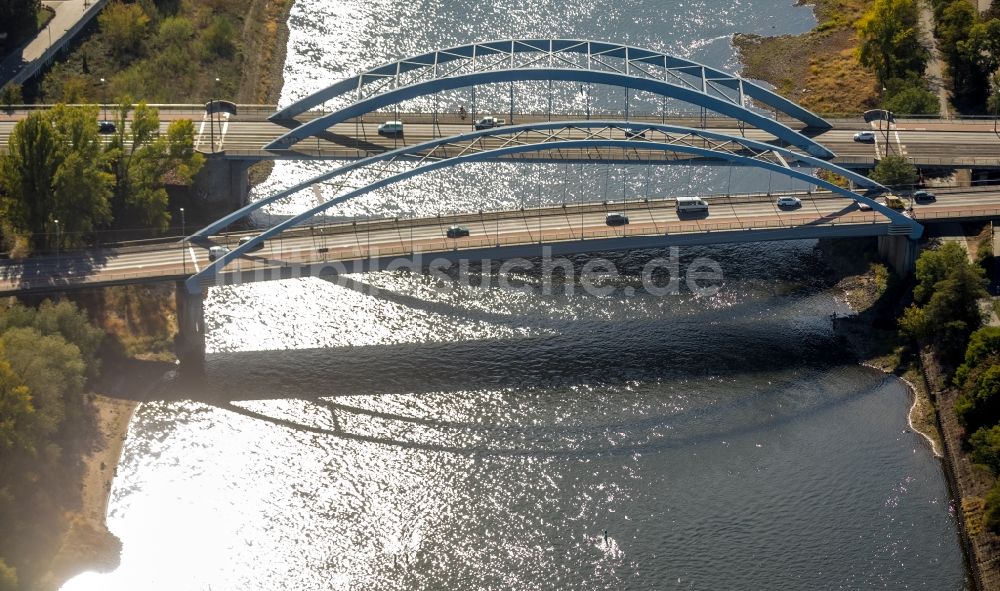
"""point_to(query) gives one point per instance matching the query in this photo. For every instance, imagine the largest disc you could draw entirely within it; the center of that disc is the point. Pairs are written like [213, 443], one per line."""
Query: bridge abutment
[222, 182]
[900, 252]
[189, 345]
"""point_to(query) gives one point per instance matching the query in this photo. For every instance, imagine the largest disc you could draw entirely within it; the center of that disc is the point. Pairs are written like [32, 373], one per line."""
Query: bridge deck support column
[224, 183]
[900, 252]
[189, 345]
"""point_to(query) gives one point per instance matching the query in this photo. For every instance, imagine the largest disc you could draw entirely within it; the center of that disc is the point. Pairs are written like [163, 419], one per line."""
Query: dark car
[457, 232]
[631, 133]
[616, 219]
[924, 197]
[106, 127]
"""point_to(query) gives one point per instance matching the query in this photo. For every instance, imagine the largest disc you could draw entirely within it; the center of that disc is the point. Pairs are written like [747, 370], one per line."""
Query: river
[403, 432]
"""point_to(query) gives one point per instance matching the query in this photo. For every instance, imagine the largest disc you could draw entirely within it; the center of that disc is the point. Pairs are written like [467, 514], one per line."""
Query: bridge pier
[189, 345]
[900, 252]
[223, 182]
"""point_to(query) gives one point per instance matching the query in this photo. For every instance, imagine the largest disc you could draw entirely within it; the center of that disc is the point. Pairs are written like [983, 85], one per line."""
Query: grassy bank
[819, 69]
[173, 51]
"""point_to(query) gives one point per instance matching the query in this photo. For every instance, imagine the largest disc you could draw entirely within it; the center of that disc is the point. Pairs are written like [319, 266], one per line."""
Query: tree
[142, 158]
[985, 448]
[983, 344]
[15, 407]
[124, 26]
[979, 404]
[946, 301]
[54, 170]
[890, 41]
[26, 174]
[933, 266]
[894, 172]
[10, 95]
[913, 100]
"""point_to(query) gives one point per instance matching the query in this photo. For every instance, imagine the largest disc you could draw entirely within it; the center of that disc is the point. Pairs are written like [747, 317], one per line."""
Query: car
[253, 248]
[488, 123]
[862, 205]
[691, 205]
[788, 202]
[616, 219]
[391, 128]
[106, 127]
[924, 196]
[633, 133]
[216, 252]
[457, 232]
[865, 137]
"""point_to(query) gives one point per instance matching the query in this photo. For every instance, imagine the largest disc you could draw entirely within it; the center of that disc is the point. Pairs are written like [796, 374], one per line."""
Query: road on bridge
[349, 241]
[946, 143]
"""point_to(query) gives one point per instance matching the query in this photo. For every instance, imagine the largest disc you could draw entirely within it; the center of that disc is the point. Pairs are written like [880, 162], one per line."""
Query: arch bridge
[553, 60]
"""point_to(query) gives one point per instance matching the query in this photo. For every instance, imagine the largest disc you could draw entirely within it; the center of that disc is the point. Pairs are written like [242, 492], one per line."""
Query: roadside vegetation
[889, 46]
[970, 43]
[47, 357]
[895, 172]
[169, 51]
[60, 181]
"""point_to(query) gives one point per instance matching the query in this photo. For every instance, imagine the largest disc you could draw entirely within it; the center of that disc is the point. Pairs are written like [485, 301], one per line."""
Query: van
[691, 205]
[391, 128]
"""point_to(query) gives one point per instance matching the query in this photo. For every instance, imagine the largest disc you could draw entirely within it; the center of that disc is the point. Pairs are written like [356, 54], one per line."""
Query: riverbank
[818, 69]
[873, 292]
[88, 544]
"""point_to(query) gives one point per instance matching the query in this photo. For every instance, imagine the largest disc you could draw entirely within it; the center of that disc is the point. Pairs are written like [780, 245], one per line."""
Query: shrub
[218, 39]
[985, 448]
[894, 172]
[991, 510]
[124, 25]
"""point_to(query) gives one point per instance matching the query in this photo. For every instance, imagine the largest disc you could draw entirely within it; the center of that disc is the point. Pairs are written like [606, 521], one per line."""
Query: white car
[865, 137]
[788, 202]
[216, 252]
[862, 205]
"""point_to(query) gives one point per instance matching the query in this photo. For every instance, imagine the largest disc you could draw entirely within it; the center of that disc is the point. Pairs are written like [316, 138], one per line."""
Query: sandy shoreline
[88, 544]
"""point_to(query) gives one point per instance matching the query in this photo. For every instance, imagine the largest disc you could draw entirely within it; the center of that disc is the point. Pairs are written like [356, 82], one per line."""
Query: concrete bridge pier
[189, 345]
[899, 252]
[222, 182]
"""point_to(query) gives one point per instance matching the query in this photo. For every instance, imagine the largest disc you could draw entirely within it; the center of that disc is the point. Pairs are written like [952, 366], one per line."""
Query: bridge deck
[574, 228]
[958, 144]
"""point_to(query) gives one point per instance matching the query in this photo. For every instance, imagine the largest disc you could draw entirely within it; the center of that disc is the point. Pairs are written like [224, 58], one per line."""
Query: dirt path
[935, 65]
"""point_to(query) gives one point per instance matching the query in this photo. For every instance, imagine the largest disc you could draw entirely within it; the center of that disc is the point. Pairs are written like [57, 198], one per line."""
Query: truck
[489, 122]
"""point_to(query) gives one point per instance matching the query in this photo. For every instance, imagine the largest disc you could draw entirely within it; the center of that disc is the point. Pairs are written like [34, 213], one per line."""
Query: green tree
[27, 171]
[991, 509]
[54, 170]
[890, 41]
[913, 100]
[984, 448]
[983, 344]
[15, 408]
[894, 172]
[218, 39]
[979, 403]
[10, 95]
[142, 157]
[124, 26]
[934, 266]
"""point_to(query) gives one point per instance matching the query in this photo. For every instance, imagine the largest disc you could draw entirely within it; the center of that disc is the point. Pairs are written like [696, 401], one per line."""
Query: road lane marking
[194, 259]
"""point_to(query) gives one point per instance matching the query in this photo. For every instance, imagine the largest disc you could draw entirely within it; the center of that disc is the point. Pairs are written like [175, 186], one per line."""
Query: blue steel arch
[193, 283]
[772, 126]
[635, 59]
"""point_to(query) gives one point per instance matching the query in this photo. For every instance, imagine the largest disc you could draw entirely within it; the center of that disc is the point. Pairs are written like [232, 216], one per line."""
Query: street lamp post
[211, 114]
[104, 98]
[184, 260]
[57, 242]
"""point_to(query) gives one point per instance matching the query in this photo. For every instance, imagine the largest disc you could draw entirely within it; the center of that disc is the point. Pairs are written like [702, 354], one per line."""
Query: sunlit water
[396, 432]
